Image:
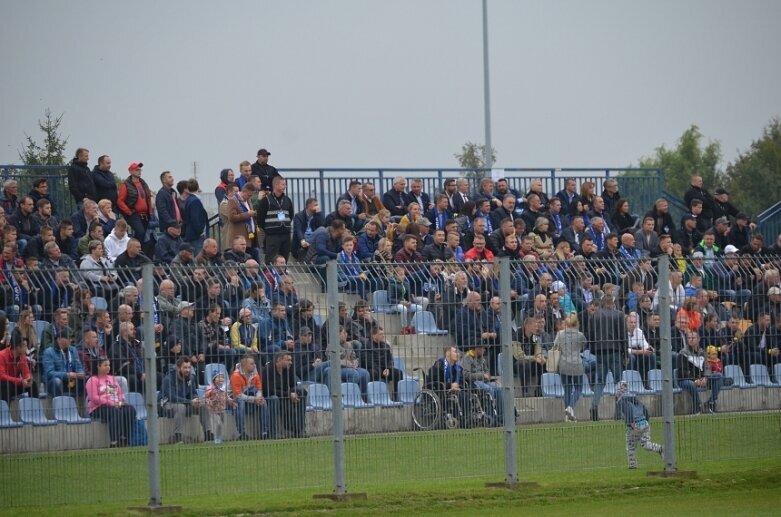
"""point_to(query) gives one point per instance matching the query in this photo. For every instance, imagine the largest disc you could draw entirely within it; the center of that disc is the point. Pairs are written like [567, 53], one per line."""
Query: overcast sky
[364, 83]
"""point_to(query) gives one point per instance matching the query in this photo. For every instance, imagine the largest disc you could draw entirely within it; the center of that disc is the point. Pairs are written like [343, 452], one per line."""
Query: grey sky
[386, 84]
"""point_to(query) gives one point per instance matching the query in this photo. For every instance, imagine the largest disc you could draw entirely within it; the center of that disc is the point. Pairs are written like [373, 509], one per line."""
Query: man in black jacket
[395, 200]
[275, 217]
[286, 404]
[80, 181]
[264, 171]
[305, 223]
[607, 340]
[378, 359]
[179, 396]
[104, 180]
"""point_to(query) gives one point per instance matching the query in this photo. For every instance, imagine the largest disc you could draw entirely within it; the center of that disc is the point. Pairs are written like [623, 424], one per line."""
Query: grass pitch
[581, 468]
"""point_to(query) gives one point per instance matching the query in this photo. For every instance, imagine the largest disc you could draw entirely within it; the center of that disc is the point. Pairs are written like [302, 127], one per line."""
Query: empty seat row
[319, 396]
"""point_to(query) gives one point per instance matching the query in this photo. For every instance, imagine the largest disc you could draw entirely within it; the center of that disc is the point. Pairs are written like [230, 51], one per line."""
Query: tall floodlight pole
[488, 155]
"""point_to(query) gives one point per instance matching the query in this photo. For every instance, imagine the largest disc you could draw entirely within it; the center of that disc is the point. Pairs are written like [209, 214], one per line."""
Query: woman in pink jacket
[106, 402]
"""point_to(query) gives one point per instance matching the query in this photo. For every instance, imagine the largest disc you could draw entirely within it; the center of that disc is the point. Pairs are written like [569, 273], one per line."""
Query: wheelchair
[436, 408]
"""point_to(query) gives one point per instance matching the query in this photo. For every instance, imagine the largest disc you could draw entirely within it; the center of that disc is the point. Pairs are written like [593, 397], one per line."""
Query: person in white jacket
[116, 242]
[642, 356]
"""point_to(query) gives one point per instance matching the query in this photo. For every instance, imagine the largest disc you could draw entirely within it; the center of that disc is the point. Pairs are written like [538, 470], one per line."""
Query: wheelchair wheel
[426, 410]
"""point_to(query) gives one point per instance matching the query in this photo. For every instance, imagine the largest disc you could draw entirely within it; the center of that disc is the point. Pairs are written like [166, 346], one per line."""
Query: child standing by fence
[637, 427]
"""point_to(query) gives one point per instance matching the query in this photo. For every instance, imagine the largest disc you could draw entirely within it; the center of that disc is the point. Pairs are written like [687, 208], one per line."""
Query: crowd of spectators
[581, 263]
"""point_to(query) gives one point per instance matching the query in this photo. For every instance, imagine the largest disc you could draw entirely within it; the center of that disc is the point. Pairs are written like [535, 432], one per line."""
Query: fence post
[668, 410]
[508, 382]
[150, 387]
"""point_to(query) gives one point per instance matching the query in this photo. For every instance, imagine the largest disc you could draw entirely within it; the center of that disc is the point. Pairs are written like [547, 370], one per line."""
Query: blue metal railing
[769, 223]
[328, 184]
[641, 188]
[56, 177]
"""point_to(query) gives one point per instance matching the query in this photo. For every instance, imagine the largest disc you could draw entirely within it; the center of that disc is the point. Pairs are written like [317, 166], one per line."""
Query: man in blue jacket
[63, 372]
[195, 217]
[105, 182]
[166, 202]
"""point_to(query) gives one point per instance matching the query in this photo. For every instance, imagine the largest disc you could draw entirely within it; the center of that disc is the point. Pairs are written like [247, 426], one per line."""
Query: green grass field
[580, 468]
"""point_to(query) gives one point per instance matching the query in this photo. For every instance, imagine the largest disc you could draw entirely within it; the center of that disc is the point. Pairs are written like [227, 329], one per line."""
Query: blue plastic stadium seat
[635, 382]
[137, 401]
[379, 396]
[777, 370]
[399, 364]
[31, 412]
[381, 304]
[551, 385]
[408, 390]
[499, 364]
[319, 397]
[65, 411]
[351, 396]
[610, 385]
[122, 381]
[213, 368]
[424, 323]
[40, 326]
[587, 391]
[760, 376]
[735, 373]
[6, 422]
[100, 303]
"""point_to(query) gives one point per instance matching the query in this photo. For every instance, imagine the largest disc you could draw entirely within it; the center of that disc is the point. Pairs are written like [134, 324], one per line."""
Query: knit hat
[622, 388]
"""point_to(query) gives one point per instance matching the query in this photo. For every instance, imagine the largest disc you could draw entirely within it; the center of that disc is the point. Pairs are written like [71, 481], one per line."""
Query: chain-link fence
[228, 376]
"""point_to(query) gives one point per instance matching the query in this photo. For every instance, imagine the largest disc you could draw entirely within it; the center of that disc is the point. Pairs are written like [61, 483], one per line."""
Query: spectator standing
[264, 171]
[195, 217]
[135, 203]
[226, 178]
[607, 339]
[571, 343]
[217, 401]
[80, 181]
[697, 192]
[105, 181]
[166, 202]
[241, 218]
[275, 217]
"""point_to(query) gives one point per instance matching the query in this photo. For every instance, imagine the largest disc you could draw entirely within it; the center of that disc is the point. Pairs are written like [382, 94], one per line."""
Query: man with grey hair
[343, 212]
[461, 196]
[417, 195]
[610, 196]
[82, 218]
[8, 197]
[395, 200]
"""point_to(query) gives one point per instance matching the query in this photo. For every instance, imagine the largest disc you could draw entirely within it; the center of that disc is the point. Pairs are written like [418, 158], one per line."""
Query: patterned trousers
[642, 434]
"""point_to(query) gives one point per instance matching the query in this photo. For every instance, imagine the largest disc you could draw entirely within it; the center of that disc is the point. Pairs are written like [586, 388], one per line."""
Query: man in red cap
[135, 203]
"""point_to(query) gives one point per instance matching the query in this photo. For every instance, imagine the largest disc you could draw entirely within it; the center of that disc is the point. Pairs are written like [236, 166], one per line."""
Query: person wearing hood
[116, 242]
[637, 427]
[80, 181]
[226, 176]
[104, 180]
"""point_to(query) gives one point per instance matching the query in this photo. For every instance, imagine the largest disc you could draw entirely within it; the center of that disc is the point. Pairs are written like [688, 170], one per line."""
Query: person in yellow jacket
[244, 334]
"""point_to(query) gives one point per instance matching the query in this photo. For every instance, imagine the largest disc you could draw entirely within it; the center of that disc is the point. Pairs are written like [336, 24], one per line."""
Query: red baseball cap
[135, 165]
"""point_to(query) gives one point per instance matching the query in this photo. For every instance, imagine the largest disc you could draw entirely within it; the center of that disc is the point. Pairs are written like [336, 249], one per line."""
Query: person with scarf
[446, 377]
[351, 275]
[226, 177]
[241, 219]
